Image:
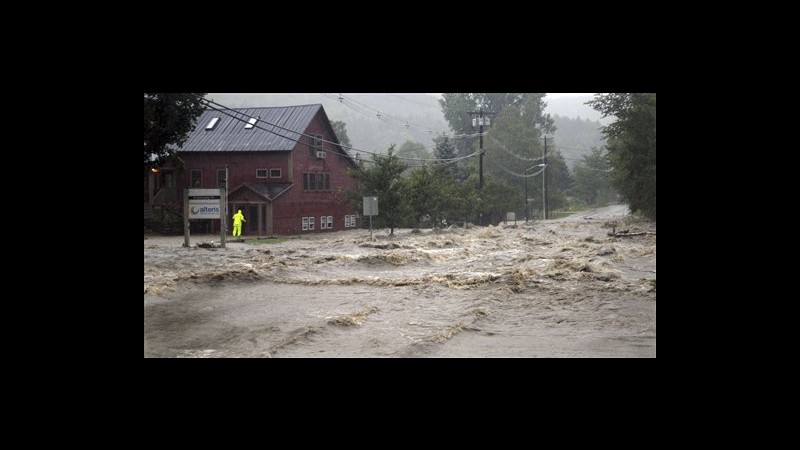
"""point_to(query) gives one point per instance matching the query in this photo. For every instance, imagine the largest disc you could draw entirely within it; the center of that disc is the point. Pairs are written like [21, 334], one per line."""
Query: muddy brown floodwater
[560, 288]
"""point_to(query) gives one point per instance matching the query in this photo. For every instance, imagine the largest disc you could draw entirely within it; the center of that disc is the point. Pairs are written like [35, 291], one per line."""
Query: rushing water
[561, 288]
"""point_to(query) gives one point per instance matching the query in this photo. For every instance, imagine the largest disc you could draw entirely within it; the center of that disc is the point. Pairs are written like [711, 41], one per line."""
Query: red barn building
[282, 166]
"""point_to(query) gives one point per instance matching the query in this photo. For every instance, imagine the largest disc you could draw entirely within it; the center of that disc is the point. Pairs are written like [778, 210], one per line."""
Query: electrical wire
[523, 158]
[211, 102]
[369, 111]
[518, 174]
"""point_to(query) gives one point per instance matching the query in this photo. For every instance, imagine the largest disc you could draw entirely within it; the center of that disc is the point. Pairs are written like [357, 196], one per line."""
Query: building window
[314, 145]
[325, 222]
[311, 223]
[316, 181]
[211, 124]
[197, 179]
[222, 179]
[261, 173]
[349, 221]
[274, 173]
[251, 122]
[305, 223]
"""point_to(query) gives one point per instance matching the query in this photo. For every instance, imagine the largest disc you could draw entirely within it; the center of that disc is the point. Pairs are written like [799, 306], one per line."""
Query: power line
[369, 111]
[518, 174]
[403, 122]
[210, 102]
[373, 113]
[523, 158]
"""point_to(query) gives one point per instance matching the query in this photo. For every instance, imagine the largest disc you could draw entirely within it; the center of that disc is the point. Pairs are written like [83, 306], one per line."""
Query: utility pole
[480, 122]
[544, 180]
[527, 200]
[526, 197]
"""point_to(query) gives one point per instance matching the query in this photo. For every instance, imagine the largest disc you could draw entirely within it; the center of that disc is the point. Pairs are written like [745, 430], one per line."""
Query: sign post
[511, 216]
[223, 219]
[203, 204]
[370, 209]
[186, 217]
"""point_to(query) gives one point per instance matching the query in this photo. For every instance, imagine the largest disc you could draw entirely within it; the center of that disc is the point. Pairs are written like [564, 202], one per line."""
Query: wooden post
[223, 217]
[186, 217]
[270, 228]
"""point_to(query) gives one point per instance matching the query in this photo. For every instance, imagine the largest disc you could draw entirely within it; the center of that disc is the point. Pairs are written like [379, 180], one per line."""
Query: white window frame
[330, 222]
[279, 175]
[323, 224]
[265, 176]
[305, 223]
[311, 221]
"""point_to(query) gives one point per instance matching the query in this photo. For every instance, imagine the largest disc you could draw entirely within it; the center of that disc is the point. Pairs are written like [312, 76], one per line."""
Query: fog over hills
[418, 118]
[574, 107]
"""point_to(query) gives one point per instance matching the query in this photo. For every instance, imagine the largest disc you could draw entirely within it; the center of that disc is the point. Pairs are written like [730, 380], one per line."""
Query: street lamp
[527, 200]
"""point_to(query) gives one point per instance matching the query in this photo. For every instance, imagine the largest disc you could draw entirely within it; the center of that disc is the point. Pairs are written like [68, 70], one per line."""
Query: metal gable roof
[230, 135]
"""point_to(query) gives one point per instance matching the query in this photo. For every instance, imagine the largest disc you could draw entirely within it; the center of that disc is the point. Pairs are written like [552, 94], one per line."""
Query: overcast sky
[559, 95]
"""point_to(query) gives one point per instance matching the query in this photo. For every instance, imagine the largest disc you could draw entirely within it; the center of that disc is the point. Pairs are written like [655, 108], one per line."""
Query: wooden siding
[289, 208]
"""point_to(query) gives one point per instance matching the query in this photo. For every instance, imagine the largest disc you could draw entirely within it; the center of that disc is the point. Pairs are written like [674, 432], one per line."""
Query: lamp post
[527, 201]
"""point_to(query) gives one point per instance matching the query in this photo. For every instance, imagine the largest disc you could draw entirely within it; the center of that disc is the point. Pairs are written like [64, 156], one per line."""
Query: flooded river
[561, 288]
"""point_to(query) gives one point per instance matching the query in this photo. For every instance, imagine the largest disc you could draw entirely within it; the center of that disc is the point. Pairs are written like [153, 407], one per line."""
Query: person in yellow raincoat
[238, 218]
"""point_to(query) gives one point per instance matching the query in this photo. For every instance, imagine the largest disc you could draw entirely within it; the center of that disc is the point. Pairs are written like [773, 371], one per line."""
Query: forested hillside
[575, 137]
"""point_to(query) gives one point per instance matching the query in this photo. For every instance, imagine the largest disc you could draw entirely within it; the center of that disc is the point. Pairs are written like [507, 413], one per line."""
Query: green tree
[445, 149]
[168, 119]
[411, 149]
[559, 181]
[514, 150]
[455, 108]
[382, 178]
[340, 129]
[464, 197]
[592, 181]
[428, 195]
[632, 146]
[498, 198]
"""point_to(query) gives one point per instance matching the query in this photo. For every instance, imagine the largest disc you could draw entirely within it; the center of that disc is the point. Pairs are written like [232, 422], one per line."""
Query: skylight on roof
[212, 123]
[251, 122]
